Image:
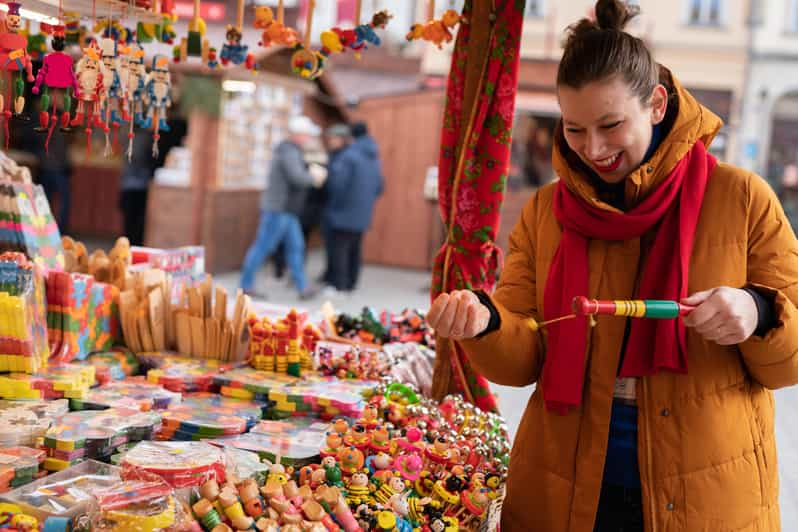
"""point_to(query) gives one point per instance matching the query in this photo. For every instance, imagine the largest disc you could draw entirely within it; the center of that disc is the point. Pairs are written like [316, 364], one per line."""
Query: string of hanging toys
[115, 86]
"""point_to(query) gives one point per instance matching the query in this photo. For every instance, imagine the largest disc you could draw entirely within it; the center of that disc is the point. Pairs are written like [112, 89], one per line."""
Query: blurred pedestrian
[281, 204]
[355, 182]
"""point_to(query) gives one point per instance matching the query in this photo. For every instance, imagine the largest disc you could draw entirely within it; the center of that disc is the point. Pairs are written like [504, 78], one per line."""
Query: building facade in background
[769, 126]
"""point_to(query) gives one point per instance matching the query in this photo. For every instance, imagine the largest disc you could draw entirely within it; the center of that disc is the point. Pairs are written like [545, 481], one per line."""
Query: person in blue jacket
[353, 185]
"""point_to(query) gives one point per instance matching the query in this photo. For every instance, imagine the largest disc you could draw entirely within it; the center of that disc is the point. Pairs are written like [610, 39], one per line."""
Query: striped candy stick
[633, 308]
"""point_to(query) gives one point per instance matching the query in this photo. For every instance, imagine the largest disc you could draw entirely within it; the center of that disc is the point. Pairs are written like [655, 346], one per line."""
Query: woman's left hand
[724, 315]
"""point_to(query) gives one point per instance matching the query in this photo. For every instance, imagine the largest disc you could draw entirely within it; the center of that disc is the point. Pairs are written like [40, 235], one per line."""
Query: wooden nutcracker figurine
[56, 73]
[90, 73]
[14, 58]
[113, 84]
[158, 98]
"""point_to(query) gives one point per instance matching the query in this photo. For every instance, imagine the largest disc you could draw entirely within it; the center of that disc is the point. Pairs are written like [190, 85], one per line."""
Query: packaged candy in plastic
[23, 318]
[142, 502]
[18, 466]
[25, 421]
[134, 393]
[180, 464]
[66, 493]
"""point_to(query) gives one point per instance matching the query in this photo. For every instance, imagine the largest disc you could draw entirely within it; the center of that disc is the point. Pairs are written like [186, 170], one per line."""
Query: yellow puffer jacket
[706, 441]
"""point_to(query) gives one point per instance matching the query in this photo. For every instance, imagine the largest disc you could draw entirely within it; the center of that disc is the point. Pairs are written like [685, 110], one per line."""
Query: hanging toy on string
[306, 62]
[114, 92]
[275, 32]
[337, 40]
[435, 31]
[56, 74]
[37, 43]
[195, 44]
[632, 308]
[73, 31]
[233, 51]
[14, 59]
[90, 72]
[137, 79]
[110, 28]
[158, 98]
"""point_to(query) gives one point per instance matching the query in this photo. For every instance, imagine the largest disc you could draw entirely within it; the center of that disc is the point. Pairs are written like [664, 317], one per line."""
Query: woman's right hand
[458, 315]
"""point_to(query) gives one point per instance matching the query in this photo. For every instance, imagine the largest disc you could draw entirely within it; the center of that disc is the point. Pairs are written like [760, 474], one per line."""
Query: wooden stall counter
[224, 220]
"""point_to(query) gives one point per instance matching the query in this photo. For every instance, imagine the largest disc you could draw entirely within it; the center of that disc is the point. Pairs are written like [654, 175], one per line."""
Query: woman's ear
[659, 104]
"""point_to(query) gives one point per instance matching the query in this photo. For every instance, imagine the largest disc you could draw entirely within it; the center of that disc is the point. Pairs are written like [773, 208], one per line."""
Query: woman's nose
[594, 147]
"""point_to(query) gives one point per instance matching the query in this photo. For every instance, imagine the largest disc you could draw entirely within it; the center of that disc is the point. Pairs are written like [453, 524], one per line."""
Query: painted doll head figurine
[13, 18]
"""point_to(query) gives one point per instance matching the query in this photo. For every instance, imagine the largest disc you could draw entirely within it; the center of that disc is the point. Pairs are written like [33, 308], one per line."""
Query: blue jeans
[276, 228]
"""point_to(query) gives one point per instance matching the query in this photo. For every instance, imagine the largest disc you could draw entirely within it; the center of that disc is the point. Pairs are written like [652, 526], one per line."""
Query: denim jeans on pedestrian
[275, 228]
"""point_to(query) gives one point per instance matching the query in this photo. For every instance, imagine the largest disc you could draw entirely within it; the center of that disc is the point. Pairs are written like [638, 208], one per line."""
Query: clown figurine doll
[56, 73]
[13, 58]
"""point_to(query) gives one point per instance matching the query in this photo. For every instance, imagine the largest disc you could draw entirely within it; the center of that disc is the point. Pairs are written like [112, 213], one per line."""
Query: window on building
[534, 9]
[705, 12]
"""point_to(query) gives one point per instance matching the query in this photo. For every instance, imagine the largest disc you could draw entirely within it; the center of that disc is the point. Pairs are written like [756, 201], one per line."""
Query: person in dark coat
[353, 185]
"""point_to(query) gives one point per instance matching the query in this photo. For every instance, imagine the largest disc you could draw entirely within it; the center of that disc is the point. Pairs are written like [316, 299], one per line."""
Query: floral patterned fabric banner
[471, 179]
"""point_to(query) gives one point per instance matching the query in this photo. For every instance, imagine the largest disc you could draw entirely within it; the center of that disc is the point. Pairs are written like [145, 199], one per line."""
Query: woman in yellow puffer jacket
[639, 424]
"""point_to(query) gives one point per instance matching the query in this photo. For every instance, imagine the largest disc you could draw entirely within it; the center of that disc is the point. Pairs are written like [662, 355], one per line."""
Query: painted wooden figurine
[158, 98]
[115, 91]
[56, 73]
[90, 72]
[14, 59]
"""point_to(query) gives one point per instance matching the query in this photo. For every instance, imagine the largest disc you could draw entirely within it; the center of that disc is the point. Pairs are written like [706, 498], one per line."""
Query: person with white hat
[281, 203]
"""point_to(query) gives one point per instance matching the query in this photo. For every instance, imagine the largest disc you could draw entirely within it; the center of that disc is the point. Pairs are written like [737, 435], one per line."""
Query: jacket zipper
[649, 460]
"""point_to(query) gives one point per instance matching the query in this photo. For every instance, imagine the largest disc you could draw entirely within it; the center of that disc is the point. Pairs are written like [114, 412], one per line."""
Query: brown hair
[596, 50]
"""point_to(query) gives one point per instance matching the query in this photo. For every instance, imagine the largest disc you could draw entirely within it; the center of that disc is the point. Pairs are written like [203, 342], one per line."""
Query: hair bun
[614, 14]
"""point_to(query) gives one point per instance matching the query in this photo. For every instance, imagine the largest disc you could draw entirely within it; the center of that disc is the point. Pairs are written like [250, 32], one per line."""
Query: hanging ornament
[72, 28]
[56, 74]
[158, 97]
[14, 59]
[435, 31]
[337, 40]
[275, 32]
[195, 44]
[111, 29]
[114, 102]
[233, 51]
[90, 72]
[136, 75]
[306, 62]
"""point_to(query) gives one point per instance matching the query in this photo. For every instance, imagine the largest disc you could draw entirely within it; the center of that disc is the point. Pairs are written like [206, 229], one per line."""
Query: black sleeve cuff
[766, 314]
[495, 319]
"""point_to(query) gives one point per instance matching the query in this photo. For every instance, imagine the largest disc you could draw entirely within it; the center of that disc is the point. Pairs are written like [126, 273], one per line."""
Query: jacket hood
[691, 122]
[367, 146]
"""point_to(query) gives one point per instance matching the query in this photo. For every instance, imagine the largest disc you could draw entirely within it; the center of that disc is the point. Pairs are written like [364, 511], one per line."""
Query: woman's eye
[573, 130]
[610, 126]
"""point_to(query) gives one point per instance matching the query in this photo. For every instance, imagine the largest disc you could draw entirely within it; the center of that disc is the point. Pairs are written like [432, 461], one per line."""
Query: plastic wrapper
[95, 434]
[295, 441]
[69, 381]
[23, 317]
[18, 466]
[82, 315]
[66, 493]
[30, 227]
[134, 393]
[312, 395]
[142, 502]
[205, 415]
[181, 464]
[24, 422]
[114, 365]
[181, 374]
[413, 364]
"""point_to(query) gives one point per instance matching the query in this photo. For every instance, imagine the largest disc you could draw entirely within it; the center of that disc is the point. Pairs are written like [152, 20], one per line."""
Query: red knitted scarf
[653, 345]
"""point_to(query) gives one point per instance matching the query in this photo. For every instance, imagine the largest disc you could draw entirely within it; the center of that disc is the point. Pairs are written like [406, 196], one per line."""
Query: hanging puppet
[195, 44]
[90, 72]
[136, 75]
[275, 32]
[158, 98]
[113, 90]
[56, 74]
[435, 31]
[337, 40]
[14, 59]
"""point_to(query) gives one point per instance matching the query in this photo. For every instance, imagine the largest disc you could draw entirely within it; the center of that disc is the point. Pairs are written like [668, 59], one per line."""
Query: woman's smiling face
[608, 126]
